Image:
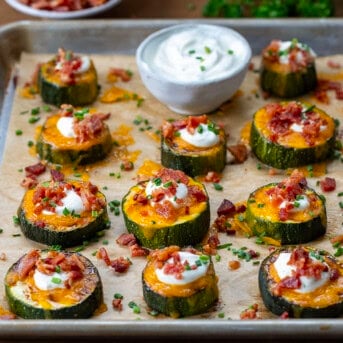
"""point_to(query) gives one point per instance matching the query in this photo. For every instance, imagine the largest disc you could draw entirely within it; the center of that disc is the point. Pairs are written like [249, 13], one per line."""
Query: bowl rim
[61, 15]
[145, 43]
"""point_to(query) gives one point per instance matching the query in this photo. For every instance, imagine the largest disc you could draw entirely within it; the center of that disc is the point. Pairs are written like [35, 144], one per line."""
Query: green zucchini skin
[288, 85]
[48, 152]
[193, 165]
[278, 305]
[69, 238]
[287, 232]
[183, 234]
[82, 310]
[199, 302]
[283, 157]
[79, 94]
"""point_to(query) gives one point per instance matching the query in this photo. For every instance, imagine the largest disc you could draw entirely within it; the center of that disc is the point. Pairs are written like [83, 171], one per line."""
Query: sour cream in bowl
[193, 68]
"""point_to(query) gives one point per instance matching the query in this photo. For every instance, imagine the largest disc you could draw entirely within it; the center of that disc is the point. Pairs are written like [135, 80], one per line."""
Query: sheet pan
[122, 37]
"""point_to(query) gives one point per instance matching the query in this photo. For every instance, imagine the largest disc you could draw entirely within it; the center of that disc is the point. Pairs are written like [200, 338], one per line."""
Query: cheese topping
[308, 284]
[202, 136]
[46, 282]
[65, 126]
[181, 192]
[195, 271]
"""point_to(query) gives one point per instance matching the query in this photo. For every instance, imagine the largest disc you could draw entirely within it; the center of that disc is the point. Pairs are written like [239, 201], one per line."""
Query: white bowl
[62, 15]
[193, 81]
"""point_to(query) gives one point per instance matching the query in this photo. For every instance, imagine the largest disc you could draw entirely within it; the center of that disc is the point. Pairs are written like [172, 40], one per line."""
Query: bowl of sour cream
[193, 68]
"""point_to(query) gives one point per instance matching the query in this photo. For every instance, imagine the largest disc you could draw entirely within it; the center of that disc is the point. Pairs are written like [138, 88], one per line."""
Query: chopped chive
[58, 269]
[30, 144]
[230, 52]
[105, 242]
[66, 212]
[18, 132]
[117, 296]
[16, 220]
[35, 111]
[56, 280]
[217, 186]
[221, 315]
[191, 52]
[207, 50]
[24, 112]
[16, 235]
[256, 263]
[167, 184]
[95, 214]
[153, 313]
[224, 246]
[202, 68]
[217, 258]
[79, 248]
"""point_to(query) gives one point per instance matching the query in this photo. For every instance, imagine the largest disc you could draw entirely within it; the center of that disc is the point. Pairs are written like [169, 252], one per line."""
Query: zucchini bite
[302, 281]
[68, 79]
[288, 211]
[74, 137]
[179, 283]
[291, 134]
[168, 209]
[53, 285]
[64, 213]
[194, 145]
[288, 69]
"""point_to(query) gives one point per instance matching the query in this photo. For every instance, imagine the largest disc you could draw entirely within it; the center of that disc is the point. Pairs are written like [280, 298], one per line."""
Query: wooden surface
[132, 9]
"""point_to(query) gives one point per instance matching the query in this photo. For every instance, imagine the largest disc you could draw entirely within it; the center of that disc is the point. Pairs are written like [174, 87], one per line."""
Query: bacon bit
[326, 85]
[226, 208]
[126, 239]
[90, 127]
[284, 315]
[162, 255]
[239, 152]
[29, 182]
[334, 65]
[121, 73]
[120, 264]
[287, 190]
[27, 263]
[126, 165]
[3, 257]
[337, 239]
[272, 172]
[334, 274]
[117, 304]
[251, 66]
[212, 176]
[103, 255]
[234, 265]
[196, 193]
[166, 210]
[31, 174]
[138, 251]
[328, 184]
[140, 198]
[250, 312]
[56, 175]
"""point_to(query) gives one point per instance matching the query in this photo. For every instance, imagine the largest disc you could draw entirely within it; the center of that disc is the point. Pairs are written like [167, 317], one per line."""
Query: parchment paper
[238, 289]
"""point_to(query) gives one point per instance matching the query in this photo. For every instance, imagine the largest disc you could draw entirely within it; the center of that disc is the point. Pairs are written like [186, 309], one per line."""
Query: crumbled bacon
[212, 176]
[333, 64]
[117, 304]
[162, 255]
[56, 175]
[123, 74]
[126, 165]
[284, 315]
[31, 175]
[250, 312]
[304, 266]
[324, 86]
[298, 58]
[90, 127]
[27, 263]
[120, 264]
[328, 184]
[29, 182]
[126, 239]
[286, 192]
[239, 152]
[138, 251]
[103, 255]
[226, 208]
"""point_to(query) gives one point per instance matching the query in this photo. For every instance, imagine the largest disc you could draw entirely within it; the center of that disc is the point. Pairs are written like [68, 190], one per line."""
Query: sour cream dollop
[72, 202]
[302, 203]
[308, 284]
[46, 282]
[84, 66]
[65, 126]
[203, 139]
[196, 53]
[285, 47]
[188, 275]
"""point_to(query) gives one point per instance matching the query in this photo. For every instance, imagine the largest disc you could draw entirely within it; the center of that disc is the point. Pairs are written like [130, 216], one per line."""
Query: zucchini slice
[191, 290]
[292, 134]
[63, 213]
[68, 79]
[168, 209]
[53, 285]
[288, 69]
[194, 145]
[74, 137]
[302, 294]
[289, 211]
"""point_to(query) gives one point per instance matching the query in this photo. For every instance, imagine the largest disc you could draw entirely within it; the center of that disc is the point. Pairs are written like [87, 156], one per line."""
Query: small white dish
[62, 15]
[193, 68]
